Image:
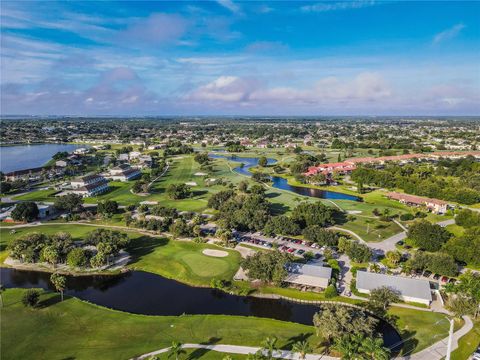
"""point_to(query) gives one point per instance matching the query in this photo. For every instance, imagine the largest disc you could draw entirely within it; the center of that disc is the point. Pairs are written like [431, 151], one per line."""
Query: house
[134, 155]
[434, 205]
[61, 163]
[89, 185]
[124, 172]
[408, 289]
[329, 169]
[122, 157]
[308, 275]
[33, 173]
[81, 151]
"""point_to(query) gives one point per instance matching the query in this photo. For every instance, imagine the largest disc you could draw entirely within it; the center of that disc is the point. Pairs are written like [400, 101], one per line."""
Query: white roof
[415, 288]
[310, 275]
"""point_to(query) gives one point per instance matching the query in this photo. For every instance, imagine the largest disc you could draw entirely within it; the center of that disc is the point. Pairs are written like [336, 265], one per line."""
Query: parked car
[444, 279]
[317, 256]
[427, 273]
[436, 277]
[300, 251]
[291, 250]
[400, 243]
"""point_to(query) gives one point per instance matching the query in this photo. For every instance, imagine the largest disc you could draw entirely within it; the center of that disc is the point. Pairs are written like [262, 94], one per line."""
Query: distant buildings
[89, 185]
[33, 173]
[329, 169]
[433, 205]
[408, 289]
[308, 275]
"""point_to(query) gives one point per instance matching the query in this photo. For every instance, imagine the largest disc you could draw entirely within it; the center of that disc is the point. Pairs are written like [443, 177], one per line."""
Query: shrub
[31, 297]
[330, 292]
[406, 217]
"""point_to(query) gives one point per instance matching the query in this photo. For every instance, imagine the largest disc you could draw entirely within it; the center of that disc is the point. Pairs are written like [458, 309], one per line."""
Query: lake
[281, 183]
[149, 294]
[19, 157]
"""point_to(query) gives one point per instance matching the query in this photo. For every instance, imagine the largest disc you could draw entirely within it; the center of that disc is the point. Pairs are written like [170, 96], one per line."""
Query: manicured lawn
[467, 343]
[39, 195]
[182, 260]
[303, 295]
[455, 229]
[73, 329]
[422, 328]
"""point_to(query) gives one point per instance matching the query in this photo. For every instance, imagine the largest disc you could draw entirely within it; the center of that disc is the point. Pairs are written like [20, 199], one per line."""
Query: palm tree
[302, 348]
[176, 350]
[373, 349]
[269, 345]
[59, 282]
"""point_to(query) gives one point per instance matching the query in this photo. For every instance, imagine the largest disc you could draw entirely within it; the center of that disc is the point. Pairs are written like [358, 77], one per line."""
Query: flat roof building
[309, 275]
[408, 289]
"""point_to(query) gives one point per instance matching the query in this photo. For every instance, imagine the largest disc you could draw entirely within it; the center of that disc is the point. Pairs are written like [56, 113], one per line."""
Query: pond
[145, 293]
[21, 157]
[281, 183]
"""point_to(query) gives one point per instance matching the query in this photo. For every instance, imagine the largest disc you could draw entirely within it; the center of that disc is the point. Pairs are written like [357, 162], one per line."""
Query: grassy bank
[73, 329]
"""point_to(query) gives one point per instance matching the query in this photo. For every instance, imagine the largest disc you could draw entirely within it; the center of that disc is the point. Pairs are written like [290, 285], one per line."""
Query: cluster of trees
[428, 236]
[107, 207]
[177, 148]
[69, 202]
[323, 237]
[464, 296]
[451, 180]
[6, 187]
[304, 160]
[26, 211]
[464, 248]
[355, 250]
[438, 263]
[261, 177]
[201, 158]
[267, 266]
[140, 186]
[178, 191]
[59, 248]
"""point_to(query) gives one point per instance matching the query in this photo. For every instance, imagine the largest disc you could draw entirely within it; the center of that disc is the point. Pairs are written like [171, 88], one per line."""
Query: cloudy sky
[232, 57]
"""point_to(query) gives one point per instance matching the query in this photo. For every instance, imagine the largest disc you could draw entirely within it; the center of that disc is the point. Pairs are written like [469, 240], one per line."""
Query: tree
[176, 350]
[393, 256]
[216, 200]
[382, 297]
[31, 297]
[320, 235]
[178, 191]
[107, 207]
[243, 186]
[266, 266]
[269, 346]
[308, 214]
[50, 254]
[281, 224]
[428, 236]
[467, 218]
[468, 287]
[302, 348]
[5, 187]
[26, 211]
[373, 349]
[60, 282]
[77, 258]
[263, 161]
[465, 247]
[69, 202]
[333, 321]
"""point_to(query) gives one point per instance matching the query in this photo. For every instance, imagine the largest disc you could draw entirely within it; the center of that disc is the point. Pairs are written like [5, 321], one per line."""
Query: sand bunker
[200, 174]
[191, 183]
[215, 253]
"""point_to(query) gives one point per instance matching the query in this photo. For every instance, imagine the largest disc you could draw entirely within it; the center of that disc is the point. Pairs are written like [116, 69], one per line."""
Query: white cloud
[333, 6]
[448, 34]
[225, 89]
[230, 5]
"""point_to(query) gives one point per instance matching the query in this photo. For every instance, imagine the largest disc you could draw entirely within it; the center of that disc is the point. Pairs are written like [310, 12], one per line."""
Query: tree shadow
[409, 345]
[144, 245]
[272, 195]
[198, 353]
[297, 338]
[199, 192]
[51, 300]
[279, 209]
[340, 217]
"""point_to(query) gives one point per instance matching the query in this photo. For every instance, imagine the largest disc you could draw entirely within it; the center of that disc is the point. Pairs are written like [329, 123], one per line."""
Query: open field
[76, 329]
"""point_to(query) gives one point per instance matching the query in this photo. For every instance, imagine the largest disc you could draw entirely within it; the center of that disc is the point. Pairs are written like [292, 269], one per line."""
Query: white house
[309, 275]
[89, 185]
[124, 172]
[408, 289]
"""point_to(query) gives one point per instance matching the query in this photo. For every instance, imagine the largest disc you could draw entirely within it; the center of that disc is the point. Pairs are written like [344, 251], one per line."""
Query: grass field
[73, 329]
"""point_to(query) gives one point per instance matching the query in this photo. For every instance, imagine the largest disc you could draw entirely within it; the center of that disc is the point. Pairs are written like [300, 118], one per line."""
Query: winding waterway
[282, 183]
[145, 293]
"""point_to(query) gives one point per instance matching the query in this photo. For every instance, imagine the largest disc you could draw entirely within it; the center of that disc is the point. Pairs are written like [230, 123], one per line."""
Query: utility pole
[450, 339]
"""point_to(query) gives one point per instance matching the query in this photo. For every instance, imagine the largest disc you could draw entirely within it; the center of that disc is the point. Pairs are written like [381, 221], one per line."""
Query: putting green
[203, 265]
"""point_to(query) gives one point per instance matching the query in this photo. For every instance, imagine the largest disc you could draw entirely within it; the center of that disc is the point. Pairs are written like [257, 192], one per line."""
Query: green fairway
[468, 343]
[182, 260]
[38, 195]
[74, 329]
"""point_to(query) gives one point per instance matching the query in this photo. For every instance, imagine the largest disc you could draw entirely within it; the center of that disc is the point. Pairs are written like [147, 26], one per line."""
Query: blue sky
[232, 57]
